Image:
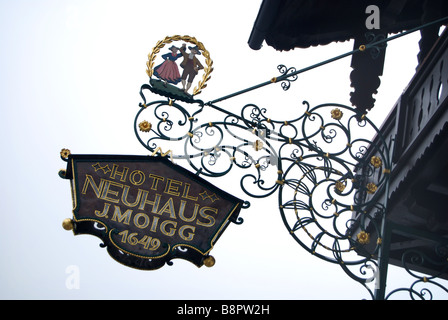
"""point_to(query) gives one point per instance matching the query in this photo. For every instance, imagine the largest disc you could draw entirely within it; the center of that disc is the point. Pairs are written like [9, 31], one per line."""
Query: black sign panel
[147, 210]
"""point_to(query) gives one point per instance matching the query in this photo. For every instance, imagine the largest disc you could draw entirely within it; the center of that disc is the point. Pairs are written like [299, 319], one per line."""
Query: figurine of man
[191, 66]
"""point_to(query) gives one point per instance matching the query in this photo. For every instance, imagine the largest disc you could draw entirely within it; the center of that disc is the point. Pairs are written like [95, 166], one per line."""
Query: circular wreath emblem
[169, 74]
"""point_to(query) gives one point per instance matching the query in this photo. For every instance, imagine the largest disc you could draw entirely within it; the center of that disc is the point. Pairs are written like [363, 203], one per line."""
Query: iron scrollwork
[330, 165]
[327, 171]
[288, 75]
[376, 43]
[423, 286]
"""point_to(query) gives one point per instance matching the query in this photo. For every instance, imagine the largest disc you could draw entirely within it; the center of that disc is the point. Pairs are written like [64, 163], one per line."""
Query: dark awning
[289, 24]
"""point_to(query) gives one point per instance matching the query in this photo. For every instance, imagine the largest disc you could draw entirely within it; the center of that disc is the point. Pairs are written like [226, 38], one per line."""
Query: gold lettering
[206, 216]
[105, 211]
[126, 216]
[96, 189]
[155, 181]
[155, 221]
[123, 174]
[107, 191]
[141, 225]
[155, 203]
[169, 208]
[186, 191]
[190, 234]
[182, 210]
[140, 180]
[124, 197]
[171, 231]
[173, 190]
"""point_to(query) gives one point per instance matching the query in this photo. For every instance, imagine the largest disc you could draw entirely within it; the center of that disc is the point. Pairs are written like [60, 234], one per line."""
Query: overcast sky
[71, 72]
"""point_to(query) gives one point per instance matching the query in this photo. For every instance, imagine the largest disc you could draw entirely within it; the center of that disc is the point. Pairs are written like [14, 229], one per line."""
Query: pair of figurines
[168, 71]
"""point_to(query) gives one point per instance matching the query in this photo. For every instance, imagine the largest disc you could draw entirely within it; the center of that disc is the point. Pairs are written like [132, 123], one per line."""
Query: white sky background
[71, 72]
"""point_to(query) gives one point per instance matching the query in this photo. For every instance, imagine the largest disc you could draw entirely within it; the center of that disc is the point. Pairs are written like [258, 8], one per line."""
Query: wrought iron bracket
[329, 165]
[325, 165]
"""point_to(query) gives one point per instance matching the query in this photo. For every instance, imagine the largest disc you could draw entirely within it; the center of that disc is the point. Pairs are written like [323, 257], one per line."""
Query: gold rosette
[145, 126]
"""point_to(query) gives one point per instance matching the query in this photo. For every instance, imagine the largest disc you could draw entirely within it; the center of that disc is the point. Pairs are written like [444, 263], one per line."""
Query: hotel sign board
[147, 210]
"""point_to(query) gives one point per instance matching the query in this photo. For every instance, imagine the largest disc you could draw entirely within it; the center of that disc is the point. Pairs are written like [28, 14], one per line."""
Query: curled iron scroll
[328, 166]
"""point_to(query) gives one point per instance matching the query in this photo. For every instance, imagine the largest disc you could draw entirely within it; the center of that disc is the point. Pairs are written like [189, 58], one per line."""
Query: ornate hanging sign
[147, 210]
[330, 166]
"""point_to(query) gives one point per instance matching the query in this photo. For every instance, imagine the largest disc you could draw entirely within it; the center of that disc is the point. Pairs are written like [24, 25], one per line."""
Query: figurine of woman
[168, 70]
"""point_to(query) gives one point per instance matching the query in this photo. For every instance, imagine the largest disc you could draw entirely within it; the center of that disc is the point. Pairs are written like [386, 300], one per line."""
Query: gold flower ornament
[65, 153]
[371, 188]
[376, 162]
[145, 126]
[363, 237]
[336, 114]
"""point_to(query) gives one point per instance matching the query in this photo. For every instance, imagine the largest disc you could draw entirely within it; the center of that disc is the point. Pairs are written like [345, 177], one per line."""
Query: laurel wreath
[160, 44]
